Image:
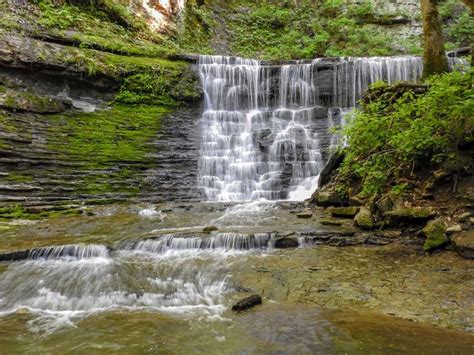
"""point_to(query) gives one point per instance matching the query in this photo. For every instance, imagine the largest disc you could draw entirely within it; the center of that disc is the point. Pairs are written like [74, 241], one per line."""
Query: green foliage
[271, 30]
[458, 23]
[62, 17]
[149, 88]
[387, 140]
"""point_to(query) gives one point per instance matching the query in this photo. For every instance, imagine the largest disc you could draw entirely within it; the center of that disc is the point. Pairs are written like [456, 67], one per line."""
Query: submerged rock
[364, 219]
[464, 244]
[285, 243]
[247, 303]
[435, 235]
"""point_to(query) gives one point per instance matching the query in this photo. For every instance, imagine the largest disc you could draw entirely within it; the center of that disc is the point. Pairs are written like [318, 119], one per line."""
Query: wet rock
[209, 229]
[330, 168]
[15, 256]
[409, 214]
[464, 244]
[286, 242]
[304, 214]
[22, 310]
[247, 303]
[435, 235]
[454, 229]
[345, 212]
[331, 222]
[364, 219]
[378, 241]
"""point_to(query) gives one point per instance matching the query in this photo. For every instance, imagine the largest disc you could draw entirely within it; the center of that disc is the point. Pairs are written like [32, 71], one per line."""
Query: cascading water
[257, 142]
[261, 130]
[65, 283]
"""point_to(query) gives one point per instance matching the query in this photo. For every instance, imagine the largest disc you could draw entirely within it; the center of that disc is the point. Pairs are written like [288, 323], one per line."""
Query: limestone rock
[410, 214]
[328, 197]
[304, 214]
[331, 222]
[247, 303]
[464, 244]
[454, 229]
[364, 219]
[29, 102]
[435, 235]
[345, 212]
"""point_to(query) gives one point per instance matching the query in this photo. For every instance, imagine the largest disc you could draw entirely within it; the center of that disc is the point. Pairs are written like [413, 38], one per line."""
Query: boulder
[247, 303]
[344, 212]
[328, 196]
[464, 244]
[464, 217]
[364, 219]
[435, 235]
[286, 242]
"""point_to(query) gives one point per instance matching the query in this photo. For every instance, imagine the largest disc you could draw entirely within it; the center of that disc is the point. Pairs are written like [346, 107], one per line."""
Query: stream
[161, 277]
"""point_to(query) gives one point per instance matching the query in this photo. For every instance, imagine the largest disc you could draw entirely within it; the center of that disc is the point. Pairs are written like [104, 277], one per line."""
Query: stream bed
[147, 279]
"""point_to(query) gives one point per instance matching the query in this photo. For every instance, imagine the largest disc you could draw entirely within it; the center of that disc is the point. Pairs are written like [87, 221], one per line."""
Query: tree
[434, 56]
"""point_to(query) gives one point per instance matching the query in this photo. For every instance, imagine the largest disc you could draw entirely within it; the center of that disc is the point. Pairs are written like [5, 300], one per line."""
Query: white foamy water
[255, 146]
[181, 276]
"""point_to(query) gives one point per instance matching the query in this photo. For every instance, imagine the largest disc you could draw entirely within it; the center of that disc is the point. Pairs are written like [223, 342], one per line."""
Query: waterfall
[354, 75]
[261, 125]
[258, 142]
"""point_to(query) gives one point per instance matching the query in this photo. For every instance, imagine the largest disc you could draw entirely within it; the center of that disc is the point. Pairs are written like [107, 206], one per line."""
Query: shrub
[387, 140]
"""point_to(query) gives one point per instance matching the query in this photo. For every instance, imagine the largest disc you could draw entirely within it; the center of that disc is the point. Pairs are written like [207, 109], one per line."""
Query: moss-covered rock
[411, 213]
[329, 196]
[364, 218]
[345, 212]
[14, 100]
[435, 235]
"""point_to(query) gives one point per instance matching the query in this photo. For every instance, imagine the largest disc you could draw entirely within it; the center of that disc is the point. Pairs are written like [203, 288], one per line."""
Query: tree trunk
[434, 57]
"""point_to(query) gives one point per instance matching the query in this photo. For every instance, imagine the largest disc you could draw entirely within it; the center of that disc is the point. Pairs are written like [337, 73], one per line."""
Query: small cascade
[69, 251]
[224, 241]
[258, 142]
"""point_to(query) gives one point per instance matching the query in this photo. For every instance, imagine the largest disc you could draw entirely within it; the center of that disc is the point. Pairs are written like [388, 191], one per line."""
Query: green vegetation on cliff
[272, 29]
[403, 128]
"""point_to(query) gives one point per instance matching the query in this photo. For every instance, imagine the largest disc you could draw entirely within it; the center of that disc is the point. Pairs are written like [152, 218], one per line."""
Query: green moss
[21, 212]
[435, 235]
[118, 134]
